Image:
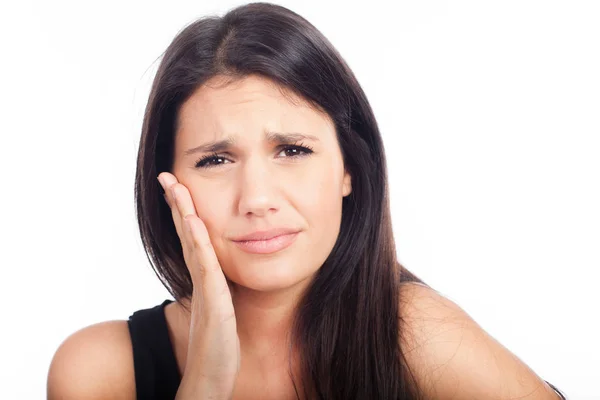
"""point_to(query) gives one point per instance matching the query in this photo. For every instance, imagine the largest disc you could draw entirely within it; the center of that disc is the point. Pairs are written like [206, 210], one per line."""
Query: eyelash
[203, 161]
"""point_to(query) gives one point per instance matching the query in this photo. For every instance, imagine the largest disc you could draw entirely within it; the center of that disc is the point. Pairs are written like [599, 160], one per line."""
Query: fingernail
[160, 180]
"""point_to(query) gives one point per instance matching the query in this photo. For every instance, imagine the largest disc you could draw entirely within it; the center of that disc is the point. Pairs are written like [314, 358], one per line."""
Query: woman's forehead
[253, 104]
[219, 96]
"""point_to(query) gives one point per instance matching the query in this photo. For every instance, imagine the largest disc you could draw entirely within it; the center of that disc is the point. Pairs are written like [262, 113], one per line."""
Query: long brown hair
[347, 324]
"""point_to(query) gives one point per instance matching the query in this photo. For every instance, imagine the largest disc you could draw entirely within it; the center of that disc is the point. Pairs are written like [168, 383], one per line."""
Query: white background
[490, 113]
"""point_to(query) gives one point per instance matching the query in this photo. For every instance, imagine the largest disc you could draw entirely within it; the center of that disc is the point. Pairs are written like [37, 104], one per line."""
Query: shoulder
[95, 362]
[452, 357]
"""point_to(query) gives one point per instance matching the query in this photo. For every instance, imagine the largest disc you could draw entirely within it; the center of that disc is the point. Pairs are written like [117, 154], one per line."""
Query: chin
[265, 276]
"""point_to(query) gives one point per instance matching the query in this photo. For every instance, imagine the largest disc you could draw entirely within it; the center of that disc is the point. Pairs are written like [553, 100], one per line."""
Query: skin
[259, 186]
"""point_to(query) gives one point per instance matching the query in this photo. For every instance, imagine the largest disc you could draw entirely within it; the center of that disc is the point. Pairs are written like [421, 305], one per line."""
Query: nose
[258, 183]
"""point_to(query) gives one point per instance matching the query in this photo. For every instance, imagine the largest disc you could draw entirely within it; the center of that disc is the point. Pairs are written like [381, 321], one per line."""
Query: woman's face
[257, 180]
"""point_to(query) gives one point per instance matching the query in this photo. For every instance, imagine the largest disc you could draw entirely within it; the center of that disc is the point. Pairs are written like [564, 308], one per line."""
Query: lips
[268, 246]
[265, 234]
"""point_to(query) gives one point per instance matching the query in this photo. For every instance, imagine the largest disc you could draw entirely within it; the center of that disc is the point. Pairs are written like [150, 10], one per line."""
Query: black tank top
[156, 373]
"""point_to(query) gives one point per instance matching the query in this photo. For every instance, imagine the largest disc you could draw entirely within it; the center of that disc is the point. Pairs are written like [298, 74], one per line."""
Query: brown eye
[209, 161]
[296, 151]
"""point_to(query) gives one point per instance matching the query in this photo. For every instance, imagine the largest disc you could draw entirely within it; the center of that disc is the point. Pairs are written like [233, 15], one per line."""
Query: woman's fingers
[167, 181]
[213, 359]
[215, 290]
[200, 256]
[183, 200]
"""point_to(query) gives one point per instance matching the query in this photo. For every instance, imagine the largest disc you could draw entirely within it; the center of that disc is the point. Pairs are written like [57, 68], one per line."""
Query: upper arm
[95, 362]
[452, 357]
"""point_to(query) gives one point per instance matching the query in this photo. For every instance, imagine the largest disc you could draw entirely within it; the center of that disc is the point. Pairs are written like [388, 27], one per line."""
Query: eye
[293, 151]
[209, 161]
[296, 151]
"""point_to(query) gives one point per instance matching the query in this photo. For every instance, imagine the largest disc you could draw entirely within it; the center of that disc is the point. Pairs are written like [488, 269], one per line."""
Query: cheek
[323, 194]
[212, 211]
[322, 207]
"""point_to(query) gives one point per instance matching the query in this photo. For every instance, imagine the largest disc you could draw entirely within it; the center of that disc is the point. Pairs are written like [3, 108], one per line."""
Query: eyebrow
[272, 137]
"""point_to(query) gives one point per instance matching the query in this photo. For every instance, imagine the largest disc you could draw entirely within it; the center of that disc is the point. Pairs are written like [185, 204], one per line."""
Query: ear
[347, 184]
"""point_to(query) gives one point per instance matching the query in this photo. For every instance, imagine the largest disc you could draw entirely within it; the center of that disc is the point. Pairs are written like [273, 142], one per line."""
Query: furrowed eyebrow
[273, 137]
[212, 147]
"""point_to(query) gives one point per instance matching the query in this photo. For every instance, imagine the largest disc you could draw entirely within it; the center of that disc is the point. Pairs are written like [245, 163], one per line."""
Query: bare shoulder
[95, 362]
[452, 357]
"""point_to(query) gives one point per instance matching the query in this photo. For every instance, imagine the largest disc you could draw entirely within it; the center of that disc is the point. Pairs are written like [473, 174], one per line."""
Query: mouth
[268, 246]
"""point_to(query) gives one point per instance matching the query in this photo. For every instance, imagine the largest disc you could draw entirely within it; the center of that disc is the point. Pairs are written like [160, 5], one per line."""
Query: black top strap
[156, 372]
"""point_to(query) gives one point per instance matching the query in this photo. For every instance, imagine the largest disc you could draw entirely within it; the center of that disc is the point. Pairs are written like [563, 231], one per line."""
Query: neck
[264, 319]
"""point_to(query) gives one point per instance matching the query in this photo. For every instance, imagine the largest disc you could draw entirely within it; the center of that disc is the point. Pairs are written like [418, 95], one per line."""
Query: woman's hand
[213, 357]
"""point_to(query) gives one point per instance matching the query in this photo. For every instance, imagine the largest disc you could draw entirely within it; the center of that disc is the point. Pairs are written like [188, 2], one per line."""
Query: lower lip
[267, 246]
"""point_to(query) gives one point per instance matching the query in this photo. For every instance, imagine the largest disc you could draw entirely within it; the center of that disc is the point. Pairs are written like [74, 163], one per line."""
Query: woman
[269, 224]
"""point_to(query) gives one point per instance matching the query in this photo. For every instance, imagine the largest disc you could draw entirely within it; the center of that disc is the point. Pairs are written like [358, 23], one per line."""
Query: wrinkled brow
[271, 137]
